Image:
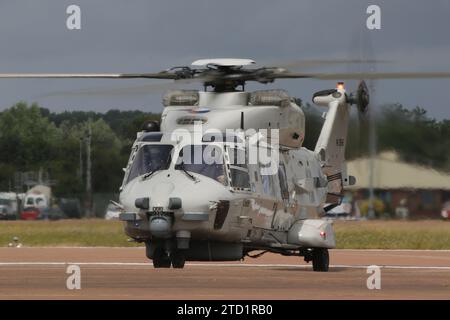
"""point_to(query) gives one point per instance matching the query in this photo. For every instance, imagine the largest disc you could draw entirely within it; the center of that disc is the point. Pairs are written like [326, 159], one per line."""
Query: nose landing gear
[178, 258]
[163, 258]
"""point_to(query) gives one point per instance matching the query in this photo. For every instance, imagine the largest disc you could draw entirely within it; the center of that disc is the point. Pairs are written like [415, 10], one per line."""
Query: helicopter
[224, 174]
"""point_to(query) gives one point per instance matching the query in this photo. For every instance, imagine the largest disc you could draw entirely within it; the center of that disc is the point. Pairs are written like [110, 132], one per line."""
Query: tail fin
[333, 139]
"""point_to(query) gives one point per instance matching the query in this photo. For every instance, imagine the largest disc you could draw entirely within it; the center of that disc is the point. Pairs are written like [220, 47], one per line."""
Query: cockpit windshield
[206, 160]
[150, 158]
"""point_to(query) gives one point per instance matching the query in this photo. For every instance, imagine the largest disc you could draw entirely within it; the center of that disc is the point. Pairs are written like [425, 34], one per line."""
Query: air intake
[278, 98]
[181, 98]
[191, 120]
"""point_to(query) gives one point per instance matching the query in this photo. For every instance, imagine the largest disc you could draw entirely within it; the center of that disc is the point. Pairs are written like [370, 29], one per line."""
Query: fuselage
[255, 200]
[227, 174]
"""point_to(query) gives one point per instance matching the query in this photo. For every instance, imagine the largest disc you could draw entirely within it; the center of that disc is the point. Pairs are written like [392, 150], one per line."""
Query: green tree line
[32, 137]
[416, 137]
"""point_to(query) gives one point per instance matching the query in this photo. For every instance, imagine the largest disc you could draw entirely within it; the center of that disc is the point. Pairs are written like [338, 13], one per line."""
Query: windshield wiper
[190, 175]
[161, 167]
[148, 174]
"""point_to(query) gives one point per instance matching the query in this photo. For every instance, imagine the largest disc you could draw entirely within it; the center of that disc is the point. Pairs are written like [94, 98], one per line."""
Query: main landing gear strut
[320, 259]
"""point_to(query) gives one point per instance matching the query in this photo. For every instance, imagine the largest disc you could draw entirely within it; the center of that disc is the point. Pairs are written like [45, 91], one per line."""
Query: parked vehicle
[53, 213]
[30, 213]
[39, 197]
[340, 211]
[445, 213]
[71, 207]
[8, 206]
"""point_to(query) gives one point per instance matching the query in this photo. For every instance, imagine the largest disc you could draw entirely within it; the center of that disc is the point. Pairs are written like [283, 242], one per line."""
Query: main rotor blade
[159, 75]
[363, 75]
[294, 64]
[152, 88]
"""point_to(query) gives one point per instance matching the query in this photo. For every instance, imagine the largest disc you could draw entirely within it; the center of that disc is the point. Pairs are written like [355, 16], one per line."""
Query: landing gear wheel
[320, 259]
[178, 259]
[161, 259]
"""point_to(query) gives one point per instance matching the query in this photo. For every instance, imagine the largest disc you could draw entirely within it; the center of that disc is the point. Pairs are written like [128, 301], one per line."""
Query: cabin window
[39, 201]
[269, 181]
[5, 202]
[283, 181]
[150, 157]
[268, 184]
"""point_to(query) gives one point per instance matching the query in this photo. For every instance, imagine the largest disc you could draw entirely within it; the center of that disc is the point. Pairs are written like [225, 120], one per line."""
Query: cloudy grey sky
[147, 35]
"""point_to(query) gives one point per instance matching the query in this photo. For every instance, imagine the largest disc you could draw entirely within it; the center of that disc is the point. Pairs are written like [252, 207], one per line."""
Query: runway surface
[125, 273]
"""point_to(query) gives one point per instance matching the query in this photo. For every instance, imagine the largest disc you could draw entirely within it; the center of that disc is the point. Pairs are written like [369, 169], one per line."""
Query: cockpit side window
[134, 151]
[150, 157]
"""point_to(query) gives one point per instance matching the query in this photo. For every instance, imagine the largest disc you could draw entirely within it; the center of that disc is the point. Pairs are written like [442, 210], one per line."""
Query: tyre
[320, 259]
[161, 259]
[178, 258]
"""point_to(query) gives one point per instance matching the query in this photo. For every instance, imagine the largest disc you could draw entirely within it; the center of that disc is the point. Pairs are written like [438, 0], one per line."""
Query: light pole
[89, 170]
[80, 174]
[372, 155]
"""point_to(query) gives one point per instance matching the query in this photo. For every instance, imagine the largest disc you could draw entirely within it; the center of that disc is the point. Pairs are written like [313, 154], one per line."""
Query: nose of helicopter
[160, 225]
[173, 202]
[160, 194]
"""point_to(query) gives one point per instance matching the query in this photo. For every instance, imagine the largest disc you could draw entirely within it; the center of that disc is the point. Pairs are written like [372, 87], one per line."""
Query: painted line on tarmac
[234, 265]
[141, 247]
[394, 250]
[309, 266]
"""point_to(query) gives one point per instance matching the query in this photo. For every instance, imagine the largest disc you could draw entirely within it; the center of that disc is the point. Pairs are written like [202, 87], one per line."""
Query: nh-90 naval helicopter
[225, 209]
